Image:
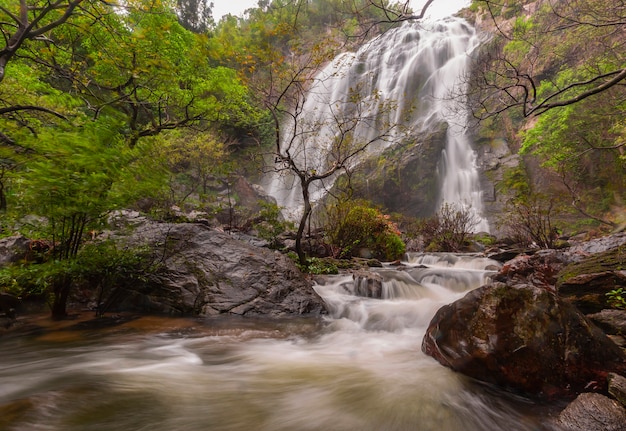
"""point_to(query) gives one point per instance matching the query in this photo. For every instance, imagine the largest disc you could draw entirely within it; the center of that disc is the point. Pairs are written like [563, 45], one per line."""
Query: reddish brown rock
[523, 338]
[539, 269]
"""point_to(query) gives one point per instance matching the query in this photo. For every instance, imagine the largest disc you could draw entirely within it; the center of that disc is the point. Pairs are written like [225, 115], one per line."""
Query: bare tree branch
[508, 83]
[26, 29]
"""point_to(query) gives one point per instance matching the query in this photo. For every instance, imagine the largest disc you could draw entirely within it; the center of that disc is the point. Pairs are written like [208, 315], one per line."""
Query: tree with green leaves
[87, 87]
[70, 182]
[562, 66]
[133, 60]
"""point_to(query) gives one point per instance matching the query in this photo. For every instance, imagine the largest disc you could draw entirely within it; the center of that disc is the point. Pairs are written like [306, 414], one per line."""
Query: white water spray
[408, 82]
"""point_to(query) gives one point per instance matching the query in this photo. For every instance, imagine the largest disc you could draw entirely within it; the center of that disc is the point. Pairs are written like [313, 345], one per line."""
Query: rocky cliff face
[404, 178]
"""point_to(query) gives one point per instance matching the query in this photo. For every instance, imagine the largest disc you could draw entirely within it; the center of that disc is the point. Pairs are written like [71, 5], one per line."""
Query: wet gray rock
[612, 322]
[599, 245]
[367, 284]
[592, 412]
[205, 272]
[401, 179]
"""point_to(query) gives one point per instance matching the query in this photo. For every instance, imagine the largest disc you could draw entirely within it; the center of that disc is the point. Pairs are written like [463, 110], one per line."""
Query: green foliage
[141, 67]
[555, 61]
[317, 266]
[269, 223]
[195, 161]
[71, 179]
[581, 143]
[364, 227]
[485, 239]
[30, 280]
[102, 267]
[617, 298]
[516, 181]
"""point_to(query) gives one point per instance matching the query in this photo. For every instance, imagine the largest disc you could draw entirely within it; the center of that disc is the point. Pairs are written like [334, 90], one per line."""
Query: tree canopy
[549, 54]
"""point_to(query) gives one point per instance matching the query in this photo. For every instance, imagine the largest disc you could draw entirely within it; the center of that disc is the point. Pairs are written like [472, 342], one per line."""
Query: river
[360, 368]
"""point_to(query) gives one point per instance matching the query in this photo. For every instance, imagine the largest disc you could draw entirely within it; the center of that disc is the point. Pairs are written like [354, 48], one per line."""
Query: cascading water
[361, 370]
[400, 83]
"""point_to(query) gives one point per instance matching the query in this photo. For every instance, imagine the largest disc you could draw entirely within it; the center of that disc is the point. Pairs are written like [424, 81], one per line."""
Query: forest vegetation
[147, 104]
[551, 80]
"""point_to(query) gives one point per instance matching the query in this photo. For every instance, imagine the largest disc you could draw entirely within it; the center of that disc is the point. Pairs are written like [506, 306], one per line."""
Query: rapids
[360, 368]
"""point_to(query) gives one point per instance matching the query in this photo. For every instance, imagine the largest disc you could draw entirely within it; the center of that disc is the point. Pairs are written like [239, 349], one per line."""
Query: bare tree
[531, 221]
[373, 14]
[349, 126]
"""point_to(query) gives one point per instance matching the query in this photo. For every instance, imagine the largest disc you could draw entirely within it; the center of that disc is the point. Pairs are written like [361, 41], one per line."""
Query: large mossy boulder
[523, 338]
[586, 283]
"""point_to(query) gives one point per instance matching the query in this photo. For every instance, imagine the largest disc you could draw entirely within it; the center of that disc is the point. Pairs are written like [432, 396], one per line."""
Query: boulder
[523, 338]
[586, 281]
[367, 284]
[592, 412]
[599, 245]
[204, 272]
[539, 269]
[13, 249]
[612, 322]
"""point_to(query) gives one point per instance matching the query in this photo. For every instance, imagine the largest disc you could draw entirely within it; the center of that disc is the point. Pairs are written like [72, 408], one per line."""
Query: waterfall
[407, 82]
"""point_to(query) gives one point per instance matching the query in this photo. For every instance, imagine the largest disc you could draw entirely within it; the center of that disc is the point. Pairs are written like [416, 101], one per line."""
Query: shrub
[102, 267]
[617, 298]
[530, 221]
[367, 228]
[270, 223]
[449, 229]
[320, 266]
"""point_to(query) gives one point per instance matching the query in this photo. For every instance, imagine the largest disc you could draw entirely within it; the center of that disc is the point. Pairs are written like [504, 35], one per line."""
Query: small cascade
[405, 299]
[404, 83]
[453, 260]
[362, 370]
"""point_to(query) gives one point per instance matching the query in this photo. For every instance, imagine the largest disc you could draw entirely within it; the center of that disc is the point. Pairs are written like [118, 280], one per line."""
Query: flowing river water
[360, 368]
